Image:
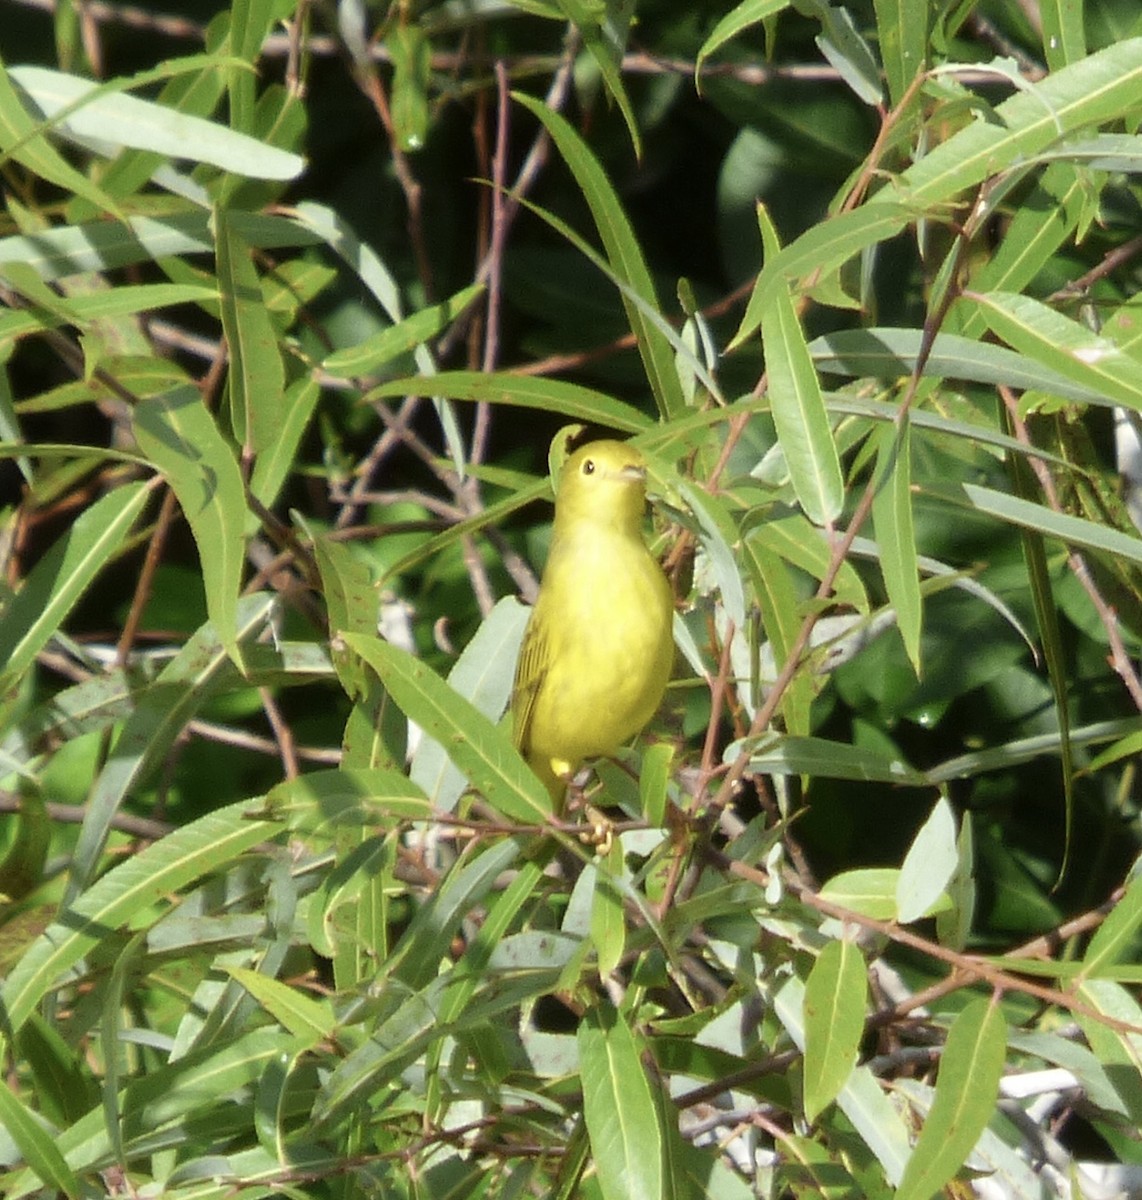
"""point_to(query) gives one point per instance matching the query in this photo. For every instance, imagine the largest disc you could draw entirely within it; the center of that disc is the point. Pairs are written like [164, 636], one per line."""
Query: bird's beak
[633, 473]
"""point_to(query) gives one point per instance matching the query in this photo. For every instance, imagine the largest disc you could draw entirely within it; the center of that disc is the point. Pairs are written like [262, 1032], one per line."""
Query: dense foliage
[295, 299]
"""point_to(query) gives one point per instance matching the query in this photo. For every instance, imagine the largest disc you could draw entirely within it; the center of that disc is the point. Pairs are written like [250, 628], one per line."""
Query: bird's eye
[589, 467]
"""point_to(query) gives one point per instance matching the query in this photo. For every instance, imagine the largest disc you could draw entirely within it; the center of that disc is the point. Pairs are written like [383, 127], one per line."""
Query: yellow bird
[598, 649]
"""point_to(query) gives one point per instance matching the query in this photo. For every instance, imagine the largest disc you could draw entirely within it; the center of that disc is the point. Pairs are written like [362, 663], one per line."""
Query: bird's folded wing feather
[529, 674]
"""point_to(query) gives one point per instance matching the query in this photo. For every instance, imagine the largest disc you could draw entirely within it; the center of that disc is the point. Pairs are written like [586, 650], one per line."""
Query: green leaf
[103, 117]
[482, 751]
[1118, 1051]
[902, 32]
[1064, 346]
[799, 412]
[309, 1020]
[823, 248]
[835, 996]
[895, 533]
[741, 17]
[776, 596]
[1075, 531]
[608, 925]
[966, 1090]
[605, 28]
[159, 718]
[411, 54]
[1102, 87]
[521, 391]
[61, 577]
[653, 782]
[319, 801]
[401, 338]
[21, 139]
[1064, 35]
[204, 846]
[179, 435]
[861, 1098]
[833, 760]
[256, 375]
[870, 891]
[484, 674]
[627, 1142]
[929, 865]
[37, 1145]
[102, 305]
[623, 253]
[103, 245]
[1116, 939]
[846, 50]
[278, 460]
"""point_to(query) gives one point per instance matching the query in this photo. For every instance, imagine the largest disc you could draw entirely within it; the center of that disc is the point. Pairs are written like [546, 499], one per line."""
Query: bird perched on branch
[598, 649]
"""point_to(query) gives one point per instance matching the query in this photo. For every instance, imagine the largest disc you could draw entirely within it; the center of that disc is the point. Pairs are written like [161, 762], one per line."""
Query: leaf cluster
[288, 319]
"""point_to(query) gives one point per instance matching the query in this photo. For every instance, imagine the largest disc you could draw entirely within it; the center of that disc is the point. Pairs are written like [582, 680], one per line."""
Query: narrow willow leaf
[484, 674]
[62, 575]
[608, 925]
[1051, 639]
[799, 412]
[902, 33]
[653, 781]
[107, 119]
[484, 753]
[521, 391]
[256, 375]
[309, 1020]
[1103, 87]
[776, 597]
[835, 996]
[155, 1108]
[719, 538]
[868, 890]
[833, 760]
[179, 435]
[103, 245]
[1065, 346]
[1064, 36]
[201, 848]
[21, 139]
[1118, 1051]
[846, 50]
[740, 18]
[183, 686]
[1075, 531]
[1116, 939]
[861, 1098]
[1043, 222]
[823, 248]
[627, 1142]
[1010, 754]
[966, 1090]
[81, 310]
[410, 52]
[605, 30]
[896, 535]
[893, 353]
[623, 253]
[401, 338]
[277, 460]
[929, 865]
[37, 1146]
[953, 926]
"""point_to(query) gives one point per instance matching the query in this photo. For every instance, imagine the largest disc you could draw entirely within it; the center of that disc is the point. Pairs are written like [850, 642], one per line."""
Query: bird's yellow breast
[606, 613]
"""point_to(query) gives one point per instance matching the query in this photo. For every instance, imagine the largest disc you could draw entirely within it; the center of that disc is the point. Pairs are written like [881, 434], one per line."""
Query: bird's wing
[529, 675]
